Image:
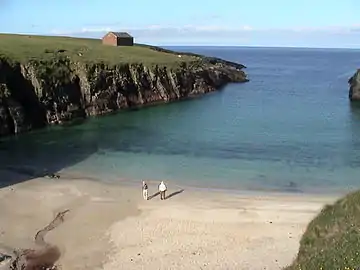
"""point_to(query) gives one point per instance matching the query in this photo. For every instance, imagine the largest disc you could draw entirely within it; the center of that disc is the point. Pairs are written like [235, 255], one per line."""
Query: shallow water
[291, 128]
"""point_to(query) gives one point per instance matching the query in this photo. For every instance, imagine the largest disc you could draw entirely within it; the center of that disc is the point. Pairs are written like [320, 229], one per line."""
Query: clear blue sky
[312, 23]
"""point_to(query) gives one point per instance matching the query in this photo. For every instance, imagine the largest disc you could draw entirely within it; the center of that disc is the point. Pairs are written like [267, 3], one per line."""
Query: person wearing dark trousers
[162, 190]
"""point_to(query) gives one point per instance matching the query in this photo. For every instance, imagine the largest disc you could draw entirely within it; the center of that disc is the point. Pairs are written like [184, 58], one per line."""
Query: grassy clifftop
[332, 239]
[54, 80]
[24, 48]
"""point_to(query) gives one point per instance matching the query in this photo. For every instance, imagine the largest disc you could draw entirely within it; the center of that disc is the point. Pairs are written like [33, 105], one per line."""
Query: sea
[291, 128]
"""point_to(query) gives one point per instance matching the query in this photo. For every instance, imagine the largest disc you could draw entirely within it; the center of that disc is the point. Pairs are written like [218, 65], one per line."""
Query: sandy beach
[111, 227]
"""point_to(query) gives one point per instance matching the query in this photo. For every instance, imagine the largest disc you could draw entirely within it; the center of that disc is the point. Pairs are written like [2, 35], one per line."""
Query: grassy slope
[332, 239]
[24, 48]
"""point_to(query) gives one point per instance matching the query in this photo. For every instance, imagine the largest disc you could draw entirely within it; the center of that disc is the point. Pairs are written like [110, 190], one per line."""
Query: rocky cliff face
[40, 93]
[354, 82]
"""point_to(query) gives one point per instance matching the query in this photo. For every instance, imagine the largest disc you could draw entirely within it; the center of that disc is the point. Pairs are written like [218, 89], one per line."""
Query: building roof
[121, 34]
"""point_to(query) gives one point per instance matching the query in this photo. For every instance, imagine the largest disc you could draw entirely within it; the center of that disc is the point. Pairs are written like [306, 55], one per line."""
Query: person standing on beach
[162, 190]
[145, 190]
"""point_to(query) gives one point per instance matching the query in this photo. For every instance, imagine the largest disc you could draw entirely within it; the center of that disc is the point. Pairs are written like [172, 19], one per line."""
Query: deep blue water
[291, 127]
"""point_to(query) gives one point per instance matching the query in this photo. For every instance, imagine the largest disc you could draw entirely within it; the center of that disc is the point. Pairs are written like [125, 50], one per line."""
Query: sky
[289, 23]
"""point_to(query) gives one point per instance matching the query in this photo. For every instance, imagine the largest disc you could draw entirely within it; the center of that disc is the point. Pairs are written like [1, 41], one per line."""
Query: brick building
[118, 39]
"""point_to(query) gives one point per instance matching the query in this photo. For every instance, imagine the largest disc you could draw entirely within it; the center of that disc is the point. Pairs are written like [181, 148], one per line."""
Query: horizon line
[263, 46]
[196, 45]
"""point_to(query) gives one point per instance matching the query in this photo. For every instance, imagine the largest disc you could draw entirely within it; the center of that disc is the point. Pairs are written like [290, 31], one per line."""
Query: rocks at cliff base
[4, 257]
[354, 82]
[40, 93]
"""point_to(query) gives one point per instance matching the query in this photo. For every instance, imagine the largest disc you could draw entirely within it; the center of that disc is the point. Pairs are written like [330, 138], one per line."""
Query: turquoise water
[291, 128]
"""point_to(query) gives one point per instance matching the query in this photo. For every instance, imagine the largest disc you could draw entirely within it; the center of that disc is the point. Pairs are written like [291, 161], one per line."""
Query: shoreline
[111, 226]
[196, 186]
[136, 183]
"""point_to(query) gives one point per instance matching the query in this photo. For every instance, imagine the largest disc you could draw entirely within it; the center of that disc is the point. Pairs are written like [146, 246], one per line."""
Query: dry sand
[110, 227]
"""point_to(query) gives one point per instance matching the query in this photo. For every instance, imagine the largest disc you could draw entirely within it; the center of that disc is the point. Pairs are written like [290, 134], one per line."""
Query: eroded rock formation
[354, 82]
[40, 93]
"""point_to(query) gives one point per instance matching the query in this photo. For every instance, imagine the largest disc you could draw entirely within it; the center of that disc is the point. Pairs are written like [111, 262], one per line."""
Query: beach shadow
[154, 195]
[174, 194]
[43, 154]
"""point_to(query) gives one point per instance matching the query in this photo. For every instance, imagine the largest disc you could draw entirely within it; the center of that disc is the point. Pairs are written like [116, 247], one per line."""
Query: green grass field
[24, 48]
[332, 239]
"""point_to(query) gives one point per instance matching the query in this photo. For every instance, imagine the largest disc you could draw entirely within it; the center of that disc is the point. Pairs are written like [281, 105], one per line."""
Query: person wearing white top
[145, 190]
[162, 190]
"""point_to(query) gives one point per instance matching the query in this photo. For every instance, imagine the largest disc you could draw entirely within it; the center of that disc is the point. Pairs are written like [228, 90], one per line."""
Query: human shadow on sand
[174, 194]
[154, 195]
[167, 197]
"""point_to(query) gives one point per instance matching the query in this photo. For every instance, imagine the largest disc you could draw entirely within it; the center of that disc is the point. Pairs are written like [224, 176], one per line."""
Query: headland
[53, 80]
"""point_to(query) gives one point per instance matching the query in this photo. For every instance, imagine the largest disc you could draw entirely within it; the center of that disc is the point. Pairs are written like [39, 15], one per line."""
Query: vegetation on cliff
[25, 48]
[50, 80]
[332, 239]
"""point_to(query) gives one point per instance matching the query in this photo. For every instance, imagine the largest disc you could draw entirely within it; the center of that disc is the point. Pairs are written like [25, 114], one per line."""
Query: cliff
[354, 82]
[61, 84]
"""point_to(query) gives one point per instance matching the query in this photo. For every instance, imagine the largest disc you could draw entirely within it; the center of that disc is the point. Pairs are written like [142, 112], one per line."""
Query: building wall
[109, 39]
[125, 41]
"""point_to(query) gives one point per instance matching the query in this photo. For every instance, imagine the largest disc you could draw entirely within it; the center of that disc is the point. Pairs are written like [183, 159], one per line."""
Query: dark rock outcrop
[40, 93]
[354, 81]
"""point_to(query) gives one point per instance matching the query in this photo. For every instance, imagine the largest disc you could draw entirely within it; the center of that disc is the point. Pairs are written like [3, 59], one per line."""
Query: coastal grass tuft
[25, 48]
[332, 239]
